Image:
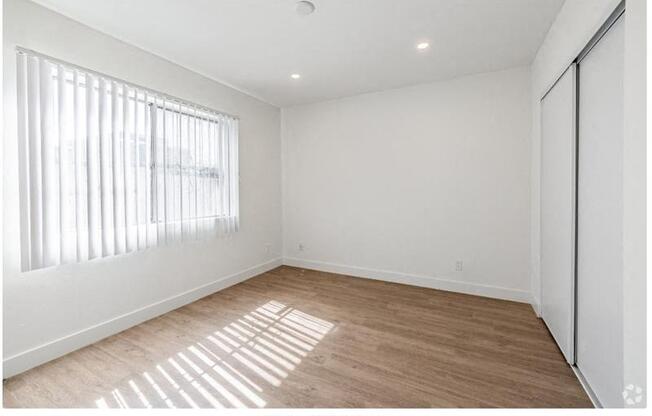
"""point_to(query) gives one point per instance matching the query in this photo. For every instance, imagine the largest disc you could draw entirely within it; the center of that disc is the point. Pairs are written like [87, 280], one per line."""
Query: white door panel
[558, 212]
[599, 233]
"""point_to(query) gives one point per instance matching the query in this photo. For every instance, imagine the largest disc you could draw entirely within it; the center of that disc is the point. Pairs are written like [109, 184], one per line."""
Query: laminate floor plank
[301, 338]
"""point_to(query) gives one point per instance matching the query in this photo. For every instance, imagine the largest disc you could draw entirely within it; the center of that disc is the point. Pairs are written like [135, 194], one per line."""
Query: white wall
[634, 197]
[51, 311]
[575, 24]
[1, 148]
[401, 184]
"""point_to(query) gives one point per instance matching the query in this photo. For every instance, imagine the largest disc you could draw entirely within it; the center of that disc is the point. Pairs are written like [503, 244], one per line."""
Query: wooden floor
[301, 338]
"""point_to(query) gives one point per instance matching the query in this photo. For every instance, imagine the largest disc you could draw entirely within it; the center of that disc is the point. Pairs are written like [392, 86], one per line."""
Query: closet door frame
[600, 33]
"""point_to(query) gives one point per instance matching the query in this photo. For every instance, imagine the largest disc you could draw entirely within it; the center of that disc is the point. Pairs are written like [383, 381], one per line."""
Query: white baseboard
[585, 385]
[414, 280]
[43, 353]
[536, 306]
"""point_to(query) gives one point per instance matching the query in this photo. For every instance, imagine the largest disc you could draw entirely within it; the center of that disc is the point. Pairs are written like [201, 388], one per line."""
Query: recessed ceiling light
[423, 45]
[304, 8]
[295, 76]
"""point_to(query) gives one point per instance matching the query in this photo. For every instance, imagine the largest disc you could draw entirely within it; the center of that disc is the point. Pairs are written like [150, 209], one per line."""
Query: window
[108, 168]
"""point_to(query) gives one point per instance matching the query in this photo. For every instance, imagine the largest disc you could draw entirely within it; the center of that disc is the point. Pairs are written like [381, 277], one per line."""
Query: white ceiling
[346, 47]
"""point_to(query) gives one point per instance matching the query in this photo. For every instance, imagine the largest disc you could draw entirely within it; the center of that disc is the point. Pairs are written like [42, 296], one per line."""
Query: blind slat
[107, 168]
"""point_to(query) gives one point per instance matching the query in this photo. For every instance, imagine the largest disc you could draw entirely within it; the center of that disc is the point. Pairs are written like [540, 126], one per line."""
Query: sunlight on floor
[232, 367]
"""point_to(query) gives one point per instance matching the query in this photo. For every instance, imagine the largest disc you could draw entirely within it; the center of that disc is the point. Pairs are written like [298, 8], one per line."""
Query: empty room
[273, 206]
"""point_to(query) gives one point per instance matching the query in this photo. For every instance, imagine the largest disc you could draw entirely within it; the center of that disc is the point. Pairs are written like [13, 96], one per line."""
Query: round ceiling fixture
[423, 45]
[295, 76]
[304, 8]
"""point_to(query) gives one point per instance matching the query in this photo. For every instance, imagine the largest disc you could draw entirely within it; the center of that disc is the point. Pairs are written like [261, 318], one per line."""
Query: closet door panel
[558, 211]
[599, 233]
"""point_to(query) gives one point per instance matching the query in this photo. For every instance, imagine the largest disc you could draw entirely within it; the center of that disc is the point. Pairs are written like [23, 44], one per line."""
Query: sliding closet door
[600, 200]
[558, 212]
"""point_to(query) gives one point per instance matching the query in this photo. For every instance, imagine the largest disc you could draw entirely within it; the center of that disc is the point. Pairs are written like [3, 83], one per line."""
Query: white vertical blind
[108, 168]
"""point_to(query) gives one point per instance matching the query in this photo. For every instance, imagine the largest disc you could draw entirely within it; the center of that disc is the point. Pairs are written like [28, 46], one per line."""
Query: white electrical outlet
[301, 247]
[268, 247]
[459, 266]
